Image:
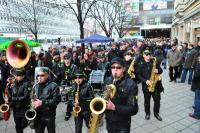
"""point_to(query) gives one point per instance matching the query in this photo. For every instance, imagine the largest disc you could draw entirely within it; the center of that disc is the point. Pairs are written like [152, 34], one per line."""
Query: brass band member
[68, 69]
[46, 94]
[124, 104]
[20, 99]
[144, 74]
[83, 94]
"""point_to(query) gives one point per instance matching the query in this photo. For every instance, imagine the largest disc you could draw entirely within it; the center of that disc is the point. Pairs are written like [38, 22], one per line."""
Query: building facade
[186, 22]
[153, 17]
[156, 18]
[52, 23]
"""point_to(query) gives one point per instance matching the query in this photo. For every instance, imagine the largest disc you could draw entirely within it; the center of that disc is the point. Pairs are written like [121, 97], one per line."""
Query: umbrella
[95, 39]
[30, 43]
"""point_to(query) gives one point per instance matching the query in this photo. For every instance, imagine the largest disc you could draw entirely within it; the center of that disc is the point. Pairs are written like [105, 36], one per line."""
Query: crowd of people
[126, 64]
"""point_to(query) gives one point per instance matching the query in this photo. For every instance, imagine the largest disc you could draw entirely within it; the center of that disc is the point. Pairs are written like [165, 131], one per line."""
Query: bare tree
[121, 20]
[27, 14]
[80, 8]
[104, 12]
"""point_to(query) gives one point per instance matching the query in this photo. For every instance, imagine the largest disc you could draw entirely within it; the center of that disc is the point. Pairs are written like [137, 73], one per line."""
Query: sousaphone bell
[18, 54]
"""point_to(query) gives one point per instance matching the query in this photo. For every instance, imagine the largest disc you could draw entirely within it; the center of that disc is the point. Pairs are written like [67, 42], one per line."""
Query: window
[141, 6]
[170, 4]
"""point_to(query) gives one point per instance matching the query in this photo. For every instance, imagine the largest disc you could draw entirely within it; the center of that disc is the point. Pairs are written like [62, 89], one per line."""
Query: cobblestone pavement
[176, 103]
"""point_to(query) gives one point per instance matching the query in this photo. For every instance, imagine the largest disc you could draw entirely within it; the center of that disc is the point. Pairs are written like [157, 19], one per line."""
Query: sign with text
[154, 4]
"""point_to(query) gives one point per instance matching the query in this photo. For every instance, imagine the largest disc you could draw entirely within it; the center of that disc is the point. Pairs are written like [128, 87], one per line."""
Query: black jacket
[57, 70]
[21, 94]
[196, 78]
[49, 94]
[114, 53]
[68, 73]
[86, 94]
[125, 100]
[144, 70]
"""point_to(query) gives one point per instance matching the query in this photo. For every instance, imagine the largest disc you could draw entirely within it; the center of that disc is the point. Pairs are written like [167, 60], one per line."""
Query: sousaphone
[18, 54]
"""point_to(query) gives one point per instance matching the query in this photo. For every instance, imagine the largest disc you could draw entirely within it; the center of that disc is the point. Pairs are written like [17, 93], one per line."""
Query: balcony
[179, 10]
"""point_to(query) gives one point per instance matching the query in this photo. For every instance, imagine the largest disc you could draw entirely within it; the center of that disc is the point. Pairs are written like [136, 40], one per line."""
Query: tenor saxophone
[30, 114]
[131, 69]
[98, 106]
[154, 78]
[76, 108]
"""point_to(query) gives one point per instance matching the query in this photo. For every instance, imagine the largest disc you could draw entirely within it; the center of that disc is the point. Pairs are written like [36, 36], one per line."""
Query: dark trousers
[79, 121]
[180, 68]
[1, 93]
[69, 107]
[147, 100]
[118, 127]
[20, 120]
[173, 73]
[41, 123]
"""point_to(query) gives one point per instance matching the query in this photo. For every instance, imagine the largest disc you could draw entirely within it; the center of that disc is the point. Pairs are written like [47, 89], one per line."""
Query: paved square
[176, 103]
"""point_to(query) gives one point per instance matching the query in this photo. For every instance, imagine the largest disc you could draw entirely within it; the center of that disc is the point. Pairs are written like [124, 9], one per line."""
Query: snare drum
[96, 76]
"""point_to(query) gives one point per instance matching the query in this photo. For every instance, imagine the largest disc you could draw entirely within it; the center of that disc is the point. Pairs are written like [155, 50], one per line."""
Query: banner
[154, 4]
[132, 7]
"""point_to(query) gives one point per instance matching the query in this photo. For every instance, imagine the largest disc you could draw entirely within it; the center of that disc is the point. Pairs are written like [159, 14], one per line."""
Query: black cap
[128, 53]
[101, 56]
[42, 70]
[56, 53]
[80, 73]
[63, 47]
[3, 53]
[18, 71]
[67, 56]
[119, 61]
[146, 52]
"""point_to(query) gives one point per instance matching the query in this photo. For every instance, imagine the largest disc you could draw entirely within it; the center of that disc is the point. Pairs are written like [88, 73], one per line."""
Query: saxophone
[76, 108]
[30, 114]
[98, 106]
[154, 77]
[131, 69]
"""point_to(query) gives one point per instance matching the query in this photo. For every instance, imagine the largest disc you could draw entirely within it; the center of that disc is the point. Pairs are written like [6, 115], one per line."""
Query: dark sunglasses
[78, 77]
[116, 67]
[42, 75]
[147, 54]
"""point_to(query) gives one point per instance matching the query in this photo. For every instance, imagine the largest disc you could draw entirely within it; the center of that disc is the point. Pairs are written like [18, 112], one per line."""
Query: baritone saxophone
[98, 106]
